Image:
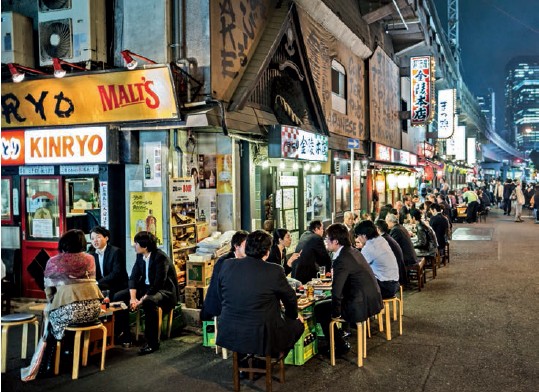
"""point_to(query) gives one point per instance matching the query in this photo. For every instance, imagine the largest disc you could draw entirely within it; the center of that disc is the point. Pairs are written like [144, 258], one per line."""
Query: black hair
[101, 230]
[382, 225]
[258, 244]
[278, 234]
[238, 237]
[72, 241]
[416, 214]
[147, 240]
[435, 206]
[339, 232]
[315, 224]
[366, 228]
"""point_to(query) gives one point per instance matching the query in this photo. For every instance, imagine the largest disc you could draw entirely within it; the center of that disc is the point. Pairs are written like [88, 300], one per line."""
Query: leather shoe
[342, 348]
[145, 350]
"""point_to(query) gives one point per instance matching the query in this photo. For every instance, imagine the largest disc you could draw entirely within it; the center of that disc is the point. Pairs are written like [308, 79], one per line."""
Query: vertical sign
[470, 153]
[151, 159]
[446, 113]
[104, 203]
[147, 214]
[455, 144]
[421, 75]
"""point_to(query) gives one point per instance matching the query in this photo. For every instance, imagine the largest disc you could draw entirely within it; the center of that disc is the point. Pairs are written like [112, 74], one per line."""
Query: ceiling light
[16, 72]
[130, 62]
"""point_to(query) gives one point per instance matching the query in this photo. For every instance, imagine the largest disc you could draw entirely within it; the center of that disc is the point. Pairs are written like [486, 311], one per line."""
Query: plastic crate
[301, 354]
[208, 333]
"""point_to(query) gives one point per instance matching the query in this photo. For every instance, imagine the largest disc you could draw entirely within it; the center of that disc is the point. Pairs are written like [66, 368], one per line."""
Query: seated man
[313, 253]
[212, 304]
[401, 236]
[110, 269]
[152, 283]
[355, 295]
[380, 257]
[251, 292]
[383, 230]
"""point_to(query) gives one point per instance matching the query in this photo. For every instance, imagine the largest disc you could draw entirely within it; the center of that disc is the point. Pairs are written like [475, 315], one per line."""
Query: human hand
[300, 317]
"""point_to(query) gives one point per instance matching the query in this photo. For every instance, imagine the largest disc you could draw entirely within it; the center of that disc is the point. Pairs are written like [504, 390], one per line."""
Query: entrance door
[42, 225]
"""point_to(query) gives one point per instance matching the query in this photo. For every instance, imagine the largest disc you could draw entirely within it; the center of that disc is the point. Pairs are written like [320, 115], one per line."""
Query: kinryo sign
[446, 113]
[57, 146]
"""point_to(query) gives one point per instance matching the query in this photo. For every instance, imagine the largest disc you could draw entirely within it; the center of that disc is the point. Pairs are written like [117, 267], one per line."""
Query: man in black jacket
[153, 283]
[401, 236]
[313, 254]
[110, 268]
[508, 188]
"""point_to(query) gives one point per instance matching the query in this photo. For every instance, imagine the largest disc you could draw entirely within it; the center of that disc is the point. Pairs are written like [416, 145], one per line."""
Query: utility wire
[534, 30]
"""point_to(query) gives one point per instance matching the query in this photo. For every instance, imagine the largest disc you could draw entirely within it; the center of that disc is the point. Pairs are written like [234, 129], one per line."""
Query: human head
[416, 215]
[398, 205]
[146, 240]
[381, 226]
[73, 241]
[392, 220]
[317, 227]
[237, 243]
[99, 236]
[366, 228]
[282, 237]
[258, 244]
[435, 208]
[348, 218]
[337, 233]
[407, 200]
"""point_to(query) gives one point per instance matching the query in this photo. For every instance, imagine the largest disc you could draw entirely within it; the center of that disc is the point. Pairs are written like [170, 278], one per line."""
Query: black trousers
[388, 288]
[471, 212]
[507, 206]
[149, 305]
[322, 312]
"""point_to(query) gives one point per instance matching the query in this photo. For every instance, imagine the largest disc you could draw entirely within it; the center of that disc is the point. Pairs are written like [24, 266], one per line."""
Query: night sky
[491, 33]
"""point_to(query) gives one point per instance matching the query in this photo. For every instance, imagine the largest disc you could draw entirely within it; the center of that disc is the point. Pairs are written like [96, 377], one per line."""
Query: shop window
[338, 87]
[42, 208]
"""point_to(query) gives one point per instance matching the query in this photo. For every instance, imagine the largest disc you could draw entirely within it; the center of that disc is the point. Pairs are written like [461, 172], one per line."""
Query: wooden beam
[378, 14]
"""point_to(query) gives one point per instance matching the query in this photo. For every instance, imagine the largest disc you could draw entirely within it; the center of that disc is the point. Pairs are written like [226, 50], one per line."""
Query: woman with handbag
[72, 297]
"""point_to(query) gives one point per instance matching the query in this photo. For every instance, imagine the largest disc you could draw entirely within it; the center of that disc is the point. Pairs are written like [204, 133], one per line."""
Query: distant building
[522, 102]
[487, 103]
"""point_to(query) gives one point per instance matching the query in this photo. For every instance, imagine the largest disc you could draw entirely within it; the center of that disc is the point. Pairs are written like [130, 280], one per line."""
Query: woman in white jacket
[519, 201]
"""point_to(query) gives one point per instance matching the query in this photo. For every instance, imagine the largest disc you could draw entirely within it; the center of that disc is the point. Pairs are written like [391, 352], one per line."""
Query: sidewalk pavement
[472, 329]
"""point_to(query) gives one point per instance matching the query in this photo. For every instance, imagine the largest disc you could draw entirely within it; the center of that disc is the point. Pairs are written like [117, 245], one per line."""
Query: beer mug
[322, 272]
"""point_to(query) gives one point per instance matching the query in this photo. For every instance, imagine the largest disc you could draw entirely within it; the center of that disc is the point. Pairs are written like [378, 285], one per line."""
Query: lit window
[338, 87]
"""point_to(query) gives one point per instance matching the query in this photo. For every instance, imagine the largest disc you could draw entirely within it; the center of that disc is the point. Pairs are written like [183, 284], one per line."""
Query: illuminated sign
[422, 86]
[383, 153]
[12, 148]
[90, 98]
[425, 150]
[446, 113]
[470, 153]
[455, 144]
[295, 143]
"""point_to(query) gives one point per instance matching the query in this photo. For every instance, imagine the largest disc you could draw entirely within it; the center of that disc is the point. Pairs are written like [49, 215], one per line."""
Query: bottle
[151, 223]
[147, 170]
[202, 216]
[212, 180]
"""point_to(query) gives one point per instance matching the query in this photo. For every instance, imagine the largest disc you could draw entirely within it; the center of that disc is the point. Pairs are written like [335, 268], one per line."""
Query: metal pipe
[399, 11]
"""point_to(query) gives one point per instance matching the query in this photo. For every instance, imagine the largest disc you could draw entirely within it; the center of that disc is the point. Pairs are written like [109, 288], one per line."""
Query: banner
[422, 80]
[446, 113]
[90, 98]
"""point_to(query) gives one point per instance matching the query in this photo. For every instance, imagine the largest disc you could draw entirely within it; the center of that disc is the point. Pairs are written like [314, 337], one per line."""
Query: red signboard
[422, 78]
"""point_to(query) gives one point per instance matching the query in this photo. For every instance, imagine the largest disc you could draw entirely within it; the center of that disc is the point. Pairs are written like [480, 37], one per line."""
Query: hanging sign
[295, 143]
[422, 78]
[446, 113]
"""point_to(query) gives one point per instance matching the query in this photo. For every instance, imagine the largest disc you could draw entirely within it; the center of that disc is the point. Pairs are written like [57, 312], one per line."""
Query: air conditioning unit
[17, 39]
[74, 31]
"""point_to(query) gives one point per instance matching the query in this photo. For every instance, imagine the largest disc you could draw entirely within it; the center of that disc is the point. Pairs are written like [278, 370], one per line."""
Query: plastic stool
[12, 320]
[160, 318]
[79, 329]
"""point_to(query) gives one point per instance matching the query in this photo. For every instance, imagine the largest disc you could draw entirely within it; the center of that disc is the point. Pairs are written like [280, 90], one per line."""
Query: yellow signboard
[106, 97]
[147, 214]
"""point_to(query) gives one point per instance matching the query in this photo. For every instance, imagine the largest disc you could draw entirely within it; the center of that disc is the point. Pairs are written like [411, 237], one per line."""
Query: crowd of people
[252, 289]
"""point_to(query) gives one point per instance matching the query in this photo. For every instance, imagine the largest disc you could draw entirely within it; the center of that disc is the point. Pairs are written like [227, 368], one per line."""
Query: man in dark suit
[383, 230]
[440, 225]
[110, 270]
[401, 236]
[251, 291]
[313, 254]
[153, 283]
[355, 295]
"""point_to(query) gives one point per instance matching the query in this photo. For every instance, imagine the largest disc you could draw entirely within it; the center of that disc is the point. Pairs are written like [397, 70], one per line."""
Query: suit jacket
[400, 234]
[355, 294]
[251, 291]
[114, 274]
[440, 225]
[212, 304]
[313, 255]
[397, 251]
[162, 276]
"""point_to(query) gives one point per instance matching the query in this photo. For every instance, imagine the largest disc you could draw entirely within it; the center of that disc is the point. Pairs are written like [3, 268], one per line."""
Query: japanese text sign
[422, 82]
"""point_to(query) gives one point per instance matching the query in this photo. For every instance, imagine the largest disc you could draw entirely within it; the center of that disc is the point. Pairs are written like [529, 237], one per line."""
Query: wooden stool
[267, 371]
[361, 340]
[417, 271]
[396, 314]
[79, 329]
[223, 350]
[160, 318]
[12, 320]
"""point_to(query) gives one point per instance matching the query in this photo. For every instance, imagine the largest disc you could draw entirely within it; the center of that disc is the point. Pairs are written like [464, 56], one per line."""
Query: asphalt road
[472, 329]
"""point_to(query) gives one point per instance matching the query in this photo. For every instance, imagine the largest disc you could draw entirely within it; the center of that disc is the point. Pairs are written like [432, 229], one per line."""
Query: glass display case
[42, 206]
[82, 203]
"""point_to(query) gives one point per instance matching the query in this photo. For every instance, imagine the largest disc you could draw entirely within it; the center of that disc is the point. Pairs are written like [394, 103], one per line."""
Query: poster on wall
[182, 190]
[206, 171]
[146, 214]
[151, 158]
[224, 176]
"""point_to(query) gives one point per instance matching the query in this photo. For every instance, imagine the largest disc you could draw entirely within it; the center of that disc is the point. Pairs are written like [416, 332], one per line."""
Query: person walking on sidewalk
[507, 190]
[518, 196]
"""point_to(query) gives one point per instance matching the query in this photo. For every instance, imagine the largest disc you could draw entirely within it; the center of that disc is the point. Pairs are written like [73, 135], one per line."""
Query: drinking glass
[322, 272]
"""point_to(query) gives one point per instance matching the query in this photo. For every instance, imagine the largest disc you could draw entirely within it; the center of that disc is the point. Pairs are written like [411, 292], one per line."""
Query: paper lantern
[411, 180]
[380, 183]
[403, 181]
[392, 181]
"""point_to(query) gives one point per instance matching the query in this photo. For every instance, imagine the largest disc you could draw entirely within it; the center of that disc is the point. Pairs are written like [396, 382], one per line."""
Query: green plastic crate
[301, 354]
[208, 336]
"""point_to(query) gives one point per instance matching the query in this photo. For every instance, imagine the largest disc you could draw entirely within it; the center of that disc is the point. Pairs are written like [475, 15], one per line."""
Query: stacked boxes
[198, 270]
[307, 346]
[194, 296]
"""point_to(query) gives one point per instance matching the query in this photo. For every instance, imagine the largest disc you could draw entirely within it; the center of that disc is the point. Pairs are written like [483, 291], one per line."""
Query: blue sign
[353, 143]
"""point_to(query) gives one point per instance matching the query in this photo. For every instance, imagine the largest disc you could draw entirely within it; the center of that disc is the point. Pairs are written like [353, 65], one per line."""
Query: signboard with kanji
[422, 83]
